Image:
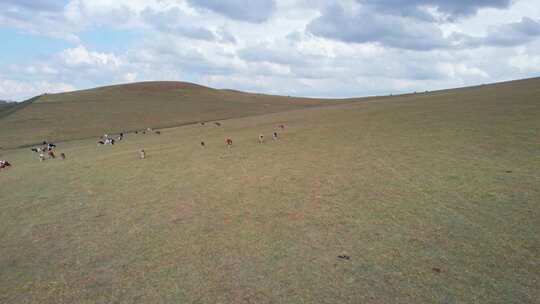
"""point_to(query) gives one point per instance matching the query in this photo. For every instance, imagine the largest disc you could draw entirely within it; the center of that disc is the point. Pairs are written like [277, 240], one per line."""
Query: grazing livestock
[46, 146]
[108, 141]
[217, 124]
[203, 144]
[4, 164]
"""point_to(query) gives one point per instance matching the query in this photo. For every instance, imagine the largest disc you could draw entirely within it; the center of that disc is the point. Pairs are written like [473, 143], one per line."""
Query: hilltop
[118, 108]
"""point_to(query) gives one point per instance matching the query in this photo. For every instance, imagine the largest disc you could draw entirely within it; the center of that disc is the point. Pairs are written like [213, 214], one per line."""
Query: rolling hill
[420, 198]
[4, 106]
[120, 108]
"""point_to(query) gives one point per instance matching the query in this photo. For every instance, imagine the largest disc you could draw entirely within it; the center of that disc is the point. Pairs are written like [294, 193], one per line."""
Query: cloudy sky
[318, 48]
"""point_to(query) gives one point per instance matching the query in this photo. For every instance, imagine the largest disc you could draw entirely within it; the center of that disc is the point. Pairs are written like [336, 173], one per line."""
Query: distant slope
[4, 106]
[8, 108]
[119, 108]
[112, 109]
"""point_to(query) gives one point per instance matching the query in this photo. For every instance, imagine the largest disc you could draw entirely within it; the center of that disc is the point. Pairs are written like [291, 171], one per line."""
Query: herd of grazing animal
[46, 149]
[229, 142]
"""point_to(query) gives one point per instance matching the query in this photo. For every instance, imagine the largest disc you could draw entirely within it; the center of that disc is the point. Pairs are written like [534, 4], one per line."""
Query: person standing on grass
[62, 156]
[274, 136]
[229, 143]
[261, 139]
[142, 154]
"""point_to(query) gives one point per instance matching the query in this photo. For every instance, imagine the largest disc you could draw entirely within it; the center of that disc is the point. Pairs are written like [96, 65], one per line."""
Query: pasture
[434, 198]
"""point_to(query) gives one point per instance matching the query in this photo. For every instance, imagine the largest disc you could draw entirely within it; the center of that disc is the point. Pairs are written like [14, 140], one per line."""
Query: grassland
[7, 108]
[90, 113]
[435, 198]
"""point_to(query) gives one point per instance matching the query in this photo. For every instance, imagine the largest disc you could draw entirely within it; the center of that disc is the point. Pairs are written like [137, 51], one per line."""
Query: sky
[315, 48]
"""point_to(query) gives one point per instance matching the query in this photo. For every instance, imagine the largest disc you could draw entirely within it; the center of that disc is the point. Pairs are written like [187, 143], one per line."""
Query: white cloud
[525, 62]
[130, 77]
[20, 90]
[454, 70]
[275, 51]
[81, 56]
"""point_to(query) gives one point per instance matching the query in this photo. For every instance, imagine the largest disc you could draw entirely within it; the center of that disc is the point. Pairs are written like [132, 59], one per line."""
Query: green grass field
[434, 197]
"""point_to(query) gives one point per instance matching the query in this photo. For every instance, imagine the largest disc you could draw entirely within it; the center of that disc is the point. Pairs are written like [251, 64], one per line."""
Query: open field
[434, 197]
[90, 113]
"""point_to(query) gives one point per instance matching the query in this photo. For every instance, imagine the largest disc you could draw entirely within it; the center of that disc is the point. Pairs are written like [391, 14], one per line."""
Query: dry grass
[90, 113]
[415, 190]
